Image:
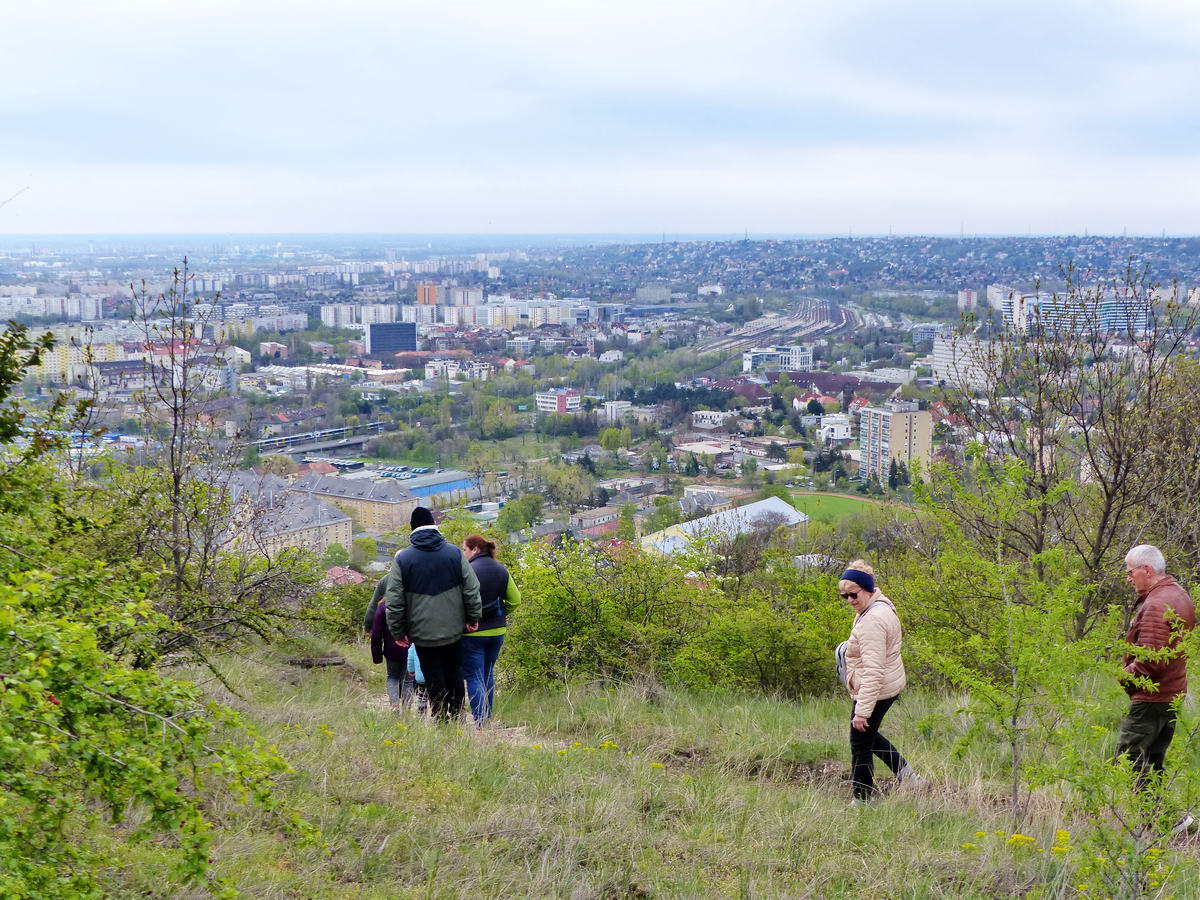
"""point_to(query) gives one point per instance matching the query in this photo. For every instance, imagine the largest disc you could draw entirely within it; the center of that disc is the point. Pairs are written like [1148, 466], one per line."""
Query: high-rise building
[391, 337]
[427, 294]
[895, 431]
[999, 295]
[960, 360]
[1102, 310]
[465, 296]
[371, 313]
[337, 315]
[426, 315]
[967, 299]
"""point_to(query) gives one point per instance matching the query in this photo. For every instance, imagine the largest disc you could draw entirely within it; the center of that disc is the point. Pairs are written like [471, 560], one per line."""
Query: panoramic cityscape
[599, 451]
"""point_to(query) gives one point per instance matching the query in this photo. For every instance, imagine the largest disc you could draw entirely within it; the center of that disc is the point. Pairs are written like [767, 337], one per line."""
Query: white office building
[792, 358]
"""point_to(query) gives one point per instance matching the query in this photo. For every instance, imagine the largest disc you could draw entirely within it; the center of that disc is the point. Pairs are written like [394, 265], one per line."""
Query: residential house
[711, 418]
[595, 522]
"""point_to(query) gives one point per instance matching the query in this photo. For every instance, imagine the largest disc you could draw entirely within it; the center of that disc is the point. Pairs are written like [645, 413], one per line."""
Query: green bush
[620, 613]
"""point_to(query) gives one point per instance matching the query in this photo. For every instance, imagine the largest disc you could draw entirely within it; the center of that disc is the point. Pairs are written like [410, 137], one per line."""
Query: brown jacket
[1158, 618]
[874, 669]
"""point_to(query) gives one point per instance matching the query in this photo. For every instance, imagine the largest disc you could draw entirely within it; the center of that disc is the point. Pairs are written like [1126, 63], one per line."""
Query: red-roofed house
[343, 575]
[317, 468]
[747, 389]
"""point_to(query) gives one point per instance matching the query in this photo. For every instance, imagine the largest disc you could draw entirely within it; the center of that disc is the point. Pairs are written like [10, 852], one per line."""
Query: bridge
[314, 440]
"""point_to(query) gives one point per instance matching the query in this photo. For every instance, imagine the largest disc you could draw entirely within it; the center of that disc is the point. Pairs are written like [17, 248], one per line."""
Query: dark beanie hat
[420, 516]
[864, 580]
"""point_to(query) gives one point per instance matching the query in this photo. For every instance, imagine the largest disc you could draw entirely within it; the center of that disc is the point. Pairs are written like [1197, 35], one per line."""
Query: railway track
[819, 318]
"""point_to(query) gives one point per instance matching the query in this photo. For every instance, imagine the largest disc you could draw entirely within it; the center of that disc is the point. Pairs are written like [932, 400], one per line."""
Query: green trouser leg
[1144, 736]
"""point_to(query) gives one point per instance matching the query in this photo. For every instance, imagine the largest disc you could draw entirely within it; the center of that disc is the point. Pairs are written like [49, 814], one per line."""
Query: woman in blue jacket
[499, 595]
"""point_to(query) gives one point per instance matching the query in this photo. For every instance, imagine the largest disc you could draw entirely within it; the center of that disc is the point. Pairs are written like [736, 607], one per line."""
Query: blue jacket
[493, 585]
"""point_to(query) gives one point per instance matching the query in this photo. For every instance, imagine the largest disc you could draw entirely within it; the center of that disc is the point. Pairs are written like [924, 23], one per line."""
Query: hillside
[597, 792]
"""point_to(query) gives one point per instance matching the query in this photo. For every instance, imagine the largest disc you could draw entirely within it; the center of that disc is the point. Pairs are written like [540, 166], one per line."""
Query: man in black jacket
[432, 597]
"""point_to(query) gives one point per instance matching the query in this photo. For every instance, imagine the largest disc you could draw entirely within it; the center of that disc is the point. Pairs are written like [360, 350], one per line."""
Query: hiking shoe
[1185, 825]
[910, 779]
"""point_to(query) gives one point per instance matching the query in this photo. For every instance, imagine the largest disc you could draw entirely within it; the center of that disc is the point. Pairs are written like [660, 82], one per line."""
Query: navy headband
[864, 580]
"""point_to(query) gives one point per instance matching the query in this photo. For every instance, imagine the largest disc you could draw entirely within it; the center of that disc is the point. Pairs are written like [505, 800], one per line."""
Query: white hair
[1147, 555]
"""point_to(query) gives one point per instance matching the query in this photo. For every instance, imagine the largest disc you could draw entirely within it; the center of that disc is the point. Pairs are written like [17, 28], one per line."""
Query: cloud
[595, 116]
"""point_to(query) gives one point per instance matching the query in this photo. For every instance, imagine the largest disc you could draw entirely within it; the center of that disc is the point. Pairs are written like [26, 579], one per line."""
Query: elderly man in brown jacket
[1162, 613]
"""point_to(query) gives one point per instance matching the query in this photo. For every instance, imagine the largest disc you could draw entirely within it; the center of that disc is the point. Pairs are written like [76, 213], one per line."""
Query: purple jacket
[382, 644]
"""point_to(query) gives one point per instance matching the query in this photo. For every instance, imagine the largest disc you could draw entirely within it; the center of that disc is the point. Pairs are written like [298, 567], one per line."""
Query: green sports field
[830, 507]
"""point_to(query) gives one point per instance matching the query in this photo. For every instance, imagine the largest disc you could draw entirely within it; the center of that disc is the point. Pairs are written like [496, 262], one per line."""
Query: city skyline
[767, 117]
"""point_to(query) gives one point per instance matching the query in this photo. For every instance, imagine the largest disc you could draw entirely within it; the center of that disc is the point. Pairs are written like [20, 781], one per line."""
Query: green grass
[595, 792]
[830, 508]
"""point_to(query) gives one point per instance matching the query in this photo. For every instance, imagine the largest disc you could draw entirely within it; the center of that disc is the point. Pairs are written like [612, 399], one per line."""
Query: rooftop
[354, 489]
[726, 525]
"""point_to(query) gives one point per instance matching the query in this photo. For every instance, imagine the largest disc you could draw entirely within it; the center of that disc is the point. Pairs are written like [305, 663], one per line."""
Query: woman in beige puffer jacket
[874, 677]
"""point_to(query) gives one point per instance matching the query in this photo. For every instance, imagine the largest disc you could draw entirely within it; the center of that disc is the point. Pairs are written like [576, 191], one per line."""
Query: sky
[591, 116]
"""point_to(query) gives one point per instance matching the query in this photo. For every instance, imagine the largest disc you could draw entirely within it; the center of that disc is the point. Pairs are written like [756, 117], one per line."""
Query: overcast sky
[584, 116]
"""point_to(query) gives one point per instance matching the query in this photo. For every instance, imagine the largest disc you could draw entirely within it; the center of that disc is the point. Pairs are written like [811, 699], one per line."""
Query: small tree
[335, 555]
[750, 470]
[627, 522]
[1006, 636]
[363, 552]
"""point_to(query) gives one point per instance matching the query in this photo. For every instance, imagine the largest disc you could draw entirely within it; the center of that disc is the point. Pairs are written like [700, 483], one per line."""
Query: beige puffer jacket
[874, 669]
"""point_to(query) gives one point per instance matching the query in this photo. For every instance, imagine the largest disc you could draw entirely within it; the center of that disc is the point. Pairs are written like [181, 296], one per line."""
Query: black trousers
[442, 667]
[865, 745]
[1145, 735]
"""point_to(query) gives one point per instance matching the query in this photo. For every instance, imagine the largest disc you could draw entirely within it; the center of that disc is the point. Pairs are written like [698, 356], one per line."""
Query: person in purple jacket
[385, 648]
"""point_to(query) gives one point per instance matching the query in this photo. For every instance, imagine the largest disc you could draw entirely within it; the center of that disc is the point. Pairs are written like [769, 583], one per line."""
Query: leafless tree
[196, 523]
[1073, 390]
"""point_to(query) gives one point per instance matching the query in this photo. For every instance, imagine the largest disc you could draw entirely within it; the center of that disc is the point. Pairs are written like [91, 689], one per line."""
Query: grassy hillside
[606, 793]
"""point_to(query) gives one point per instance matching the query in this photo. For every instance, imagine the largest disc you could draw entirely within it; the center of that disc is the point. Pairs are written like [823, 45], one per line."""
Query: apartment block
[376, 506]
[895, 431]
[559, 400]
[267, 517]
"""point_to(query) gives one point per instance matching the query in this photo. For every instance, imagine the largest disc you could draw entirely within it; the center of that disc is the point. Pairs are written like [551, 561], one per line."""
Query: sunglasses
[850, 596]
